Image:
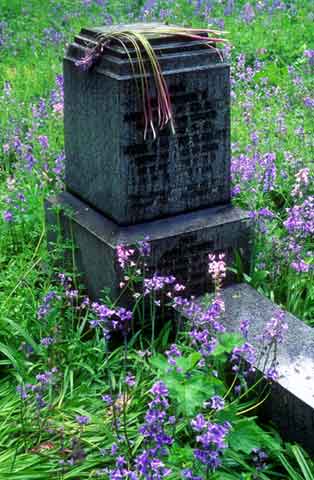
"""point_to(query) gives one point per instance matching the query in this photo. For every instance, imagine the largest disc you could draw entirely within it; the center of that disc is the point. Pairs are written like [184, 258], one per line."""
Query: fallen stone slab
[290, 405]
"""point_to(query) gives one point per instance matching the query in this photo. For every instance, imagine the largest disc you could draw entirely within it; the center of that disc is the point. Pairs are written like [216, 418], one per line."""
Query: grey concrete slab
[291, 403]
[180, 245]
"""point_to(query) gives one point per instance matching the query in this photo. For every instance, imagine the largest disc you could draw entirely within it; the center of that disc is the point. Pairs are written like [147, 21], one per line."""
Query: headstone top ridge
[153, 31]
[191, 53]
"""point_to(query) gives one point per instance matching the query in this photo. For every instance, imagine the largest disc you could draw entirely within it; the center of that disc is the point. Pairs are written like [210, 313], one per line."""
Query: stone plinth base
[291, 403]
[180, 244]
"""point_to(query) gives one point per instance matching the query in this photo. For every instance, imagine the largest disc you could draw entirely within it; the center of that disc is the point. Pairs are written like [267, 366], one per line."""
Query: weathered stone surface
[291, 403]
[180, 245]
[110, 165]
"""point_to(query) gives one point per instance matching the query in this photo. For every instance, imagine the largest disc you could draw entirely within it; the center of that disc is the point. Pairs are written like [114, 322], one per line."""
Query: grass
[272, 136]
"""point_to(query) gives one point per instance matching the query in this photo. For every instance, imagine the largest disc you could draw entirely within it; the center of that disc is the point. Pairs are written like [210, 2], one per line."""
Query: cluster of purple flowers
[267, 162]
[15, 204]
[111, 319]
[258, 168]
[3, 34]
[259, 459]
[309, 54]
[156, 440]
[302, 180]
[300, 221]
[148, 464]
[47, 304]
[51, 35]
[300, 227]
[272, 336]
[212, 440]
[173, 353]
[40, 111]
[71, 294]
[248, 13]
[275, 329]
[215, 403]
[38, 390]
[157, 283]
[125, 256]
[57, 96]
[204, 321]
[243, 73]
[82, 419]
[245, 357]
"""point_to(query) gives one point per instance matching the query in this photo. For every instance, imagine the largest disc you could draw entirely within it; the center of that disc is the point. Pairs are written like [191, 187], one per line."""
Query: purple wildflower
[43, 140]
[275, 328]
[188, 475]
[156, 440]
[130, 380]
[259, 458]
[157, 283]
[7, 216]
[272, 374]
[107, 399]
[159, 389]
[46, 377]
[110, 319]
[172, 353]
[309, 102]
[248, 13]
[82, 419]
[46, 341]
[125, 255]
[300, 266]
[247, 353]
[244, 328]
[22, 391]
[144, 247]
[309, 54]
[46, 306]
[216, 402]
[212, 440]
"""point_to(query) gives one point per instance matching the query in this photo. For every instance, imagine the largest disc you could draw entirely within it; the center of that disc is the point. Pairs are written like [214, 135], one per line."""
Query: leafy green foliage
[247, 436]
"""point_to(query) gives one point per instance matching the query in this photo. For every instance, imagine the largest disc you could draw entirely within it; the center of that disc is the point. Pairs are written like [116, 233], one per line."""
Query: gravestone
[175, 190]
[121, 187]
[110, 166]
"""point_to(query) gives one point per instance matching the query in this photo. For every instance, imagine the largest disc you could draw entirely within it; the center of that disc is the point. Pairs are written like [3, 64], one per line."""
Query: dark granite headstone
[110, 166]
[122, 187]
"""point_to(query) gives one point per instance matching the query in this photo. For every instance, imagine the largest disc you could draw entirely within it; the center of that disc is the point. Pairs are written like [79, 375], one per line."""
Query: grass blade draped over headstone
[137, 37]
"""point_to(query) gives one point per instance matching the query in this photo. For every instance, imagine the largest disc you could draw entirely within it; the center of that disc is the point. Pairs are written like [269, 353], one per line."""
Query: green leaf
[159, 362]
[187, 364]
[227, 342]
[190, 394]
[229, 476]
[13, 356]
[181, 455]
[247, 435]
[304, 465]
